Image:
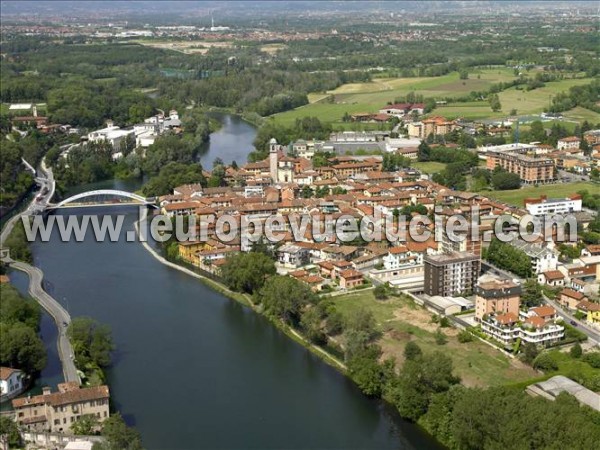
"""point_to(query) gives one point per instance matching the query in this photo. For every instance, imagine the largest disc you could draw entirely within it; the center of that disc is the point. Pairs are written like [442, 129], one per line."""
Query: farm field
[370, 97]
[401, 321]
[516, 196]
[188, 48]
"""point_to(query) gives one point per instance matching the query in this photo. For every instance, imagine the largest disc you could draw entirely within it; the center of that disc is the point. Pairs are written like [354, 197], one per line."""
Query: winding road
[36, 276]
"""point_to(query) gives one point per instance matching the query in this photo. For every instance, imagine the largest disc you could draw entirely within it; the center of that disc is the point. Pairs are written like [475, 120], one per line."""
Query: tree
[463, 74]
[530, 352]
[440, 338]
[284, 297]
[118, 435]
[85, 425]
[545, 362]
[494, 101]
[247, 272]
[412, 351]
[576, 351]
[92, 342]
[360, 330]
[366, 371]
[21, 347]
[503, 180]
[311, 322]
[10, 429]
[510, 258]
[532, 294]
[424, 151]
[380, 292]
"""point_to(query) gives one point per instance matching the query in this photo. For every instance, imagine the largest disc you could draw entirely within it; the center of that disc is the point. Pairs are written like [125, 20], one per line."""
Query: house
[570, 298]
[542, 258]
[554, 278]
[569, 142]
[402, 109]
[350, 279]
[11, 383]
[56, 412]
[544, 312]
[528, 327]
[399, 256]
[291, 255]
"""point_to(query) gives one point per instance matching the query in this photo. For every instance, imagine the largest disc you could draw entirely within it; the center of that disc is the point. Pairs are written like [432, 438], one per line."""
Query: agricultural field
[370, 97]
[535, 101]
[402, 321]
[186, 47]
[516, 196]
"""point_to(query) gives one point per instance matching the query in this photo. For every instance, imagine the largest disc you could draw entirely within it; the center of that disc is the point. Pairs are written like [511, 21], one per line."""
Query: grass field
[372, 96]
[429, 166]
[402, 321]
[535, 101]
[516, 196]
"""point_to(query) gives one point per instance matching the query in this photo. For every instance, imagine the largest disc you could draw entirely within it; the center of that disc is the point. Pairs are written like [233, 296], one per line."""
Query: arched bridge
[95, 196]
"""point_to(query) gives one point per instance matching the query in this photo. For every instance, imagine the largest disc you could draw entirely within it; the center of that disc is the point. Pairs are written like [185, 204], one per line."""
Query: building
[529, 327]
[11, 383]
[350, 279]
[402, 109]
[495, 297]
[592, 137]
[553, 387]
[553, 278]
[451, 274]
[291, 255]
[542, 258]
[436, 126]
[56, 412]
[531, 170]
[114, 135]
[570, 298]
[544, 205]
[568, 143]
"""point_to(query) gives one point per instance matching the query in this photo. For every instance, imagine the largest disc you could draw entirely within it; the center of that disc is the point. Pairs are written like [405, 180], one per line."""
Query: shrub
[440, 338]
[464, 336]
[545, 362]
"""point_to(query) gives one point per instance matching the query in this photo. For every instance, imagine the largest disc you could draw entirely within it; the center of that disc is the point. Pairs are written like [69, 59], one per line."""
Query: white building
[11, 383]
[542, 258]
[400, 256]
[568, 143]
[544, 205]
[112, 134]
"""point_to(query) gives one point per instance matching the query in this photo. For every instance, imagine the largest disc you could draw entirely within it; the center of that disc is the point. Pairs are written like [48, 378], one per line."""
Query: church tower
[273, 159]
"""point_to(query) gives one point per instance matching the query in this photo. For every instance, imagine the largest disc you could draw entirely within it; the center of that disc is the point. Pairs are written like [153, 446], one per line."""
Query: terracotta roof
[544, 311]
[553, 275]
[351, 273]
[64, 398]
[586, 305]
[571, 293]
[6, 372]
[537, 322]
[507, 318]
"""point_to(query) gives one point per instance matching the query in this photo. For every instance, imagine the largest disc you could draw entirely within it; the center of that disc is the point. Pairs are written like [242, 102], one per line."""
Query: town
[403, 196]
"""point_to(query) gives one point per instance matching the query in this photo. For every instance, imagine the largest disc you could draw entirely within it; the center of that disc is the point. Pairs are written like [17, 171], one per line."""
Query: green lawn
[401, 321]
[429, 166]
[516, 196]
[580, 114]
[575, 369]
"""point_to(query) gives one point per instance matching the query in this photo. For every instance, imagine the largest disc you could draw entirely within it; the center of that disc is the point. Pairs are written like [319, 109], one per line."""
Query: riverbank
[246, 301]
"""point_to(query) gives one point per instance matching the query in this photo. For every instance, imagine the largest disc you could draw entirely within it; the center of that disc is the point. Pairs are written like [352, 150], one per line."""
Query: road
[568, 318]
[57, 312]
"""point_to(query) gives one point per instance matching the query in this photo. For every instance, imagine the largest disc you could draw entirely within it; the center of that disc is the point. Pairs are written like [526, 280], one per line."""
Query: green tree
[380, 292]
[532, 294]
[118, 435]
[412, 351]
[576, 351]
[92, 342]
[367, 373]
[10, 429]
[85, 425]
[284, 297]
[247, 272]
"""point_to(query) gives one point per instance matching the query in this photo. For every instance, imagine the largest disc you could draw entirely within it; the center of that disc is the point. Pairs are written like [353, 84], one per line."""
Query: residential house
[553, 278]
[497, 297]
[569, 142]
[12, 383]
[350, 279]
[570, 298]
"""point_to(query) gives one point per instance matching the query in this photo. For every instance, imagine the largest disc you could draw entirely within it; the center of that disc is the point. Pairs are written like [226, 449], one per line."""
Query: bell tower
[273, 159]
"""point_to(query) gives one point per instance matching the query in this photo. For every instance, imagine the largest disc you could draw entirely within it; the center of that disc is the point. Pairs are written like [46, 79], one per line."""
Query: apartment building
[451, 274]
[497, 297]
[567, 143]
[507, 328]
[432, 126]
[531, 170]
[56, 412]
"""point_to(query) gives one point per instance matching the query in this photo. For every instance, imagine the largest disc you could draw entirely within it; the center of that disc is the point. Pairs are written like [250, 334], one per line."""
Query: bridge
[103, 197]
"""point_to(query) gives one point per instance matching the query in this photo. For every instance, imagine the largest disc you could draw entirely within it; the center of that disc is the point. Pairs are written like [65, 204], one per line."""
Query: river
[194, 369]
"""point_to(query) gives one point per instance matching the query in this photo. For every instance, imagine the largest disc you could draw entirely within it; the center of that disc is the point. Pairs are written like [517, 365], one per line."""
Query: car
[573, 323]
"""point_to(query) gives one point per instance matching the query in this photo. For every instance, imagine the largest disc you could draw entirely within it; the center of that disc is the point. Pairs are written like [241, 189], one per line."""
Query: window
[56, 421]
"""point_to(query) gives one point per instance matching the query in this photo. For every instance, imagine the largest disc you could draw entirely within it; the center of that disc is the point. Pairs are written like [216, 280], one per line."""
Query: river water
[196, 370]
